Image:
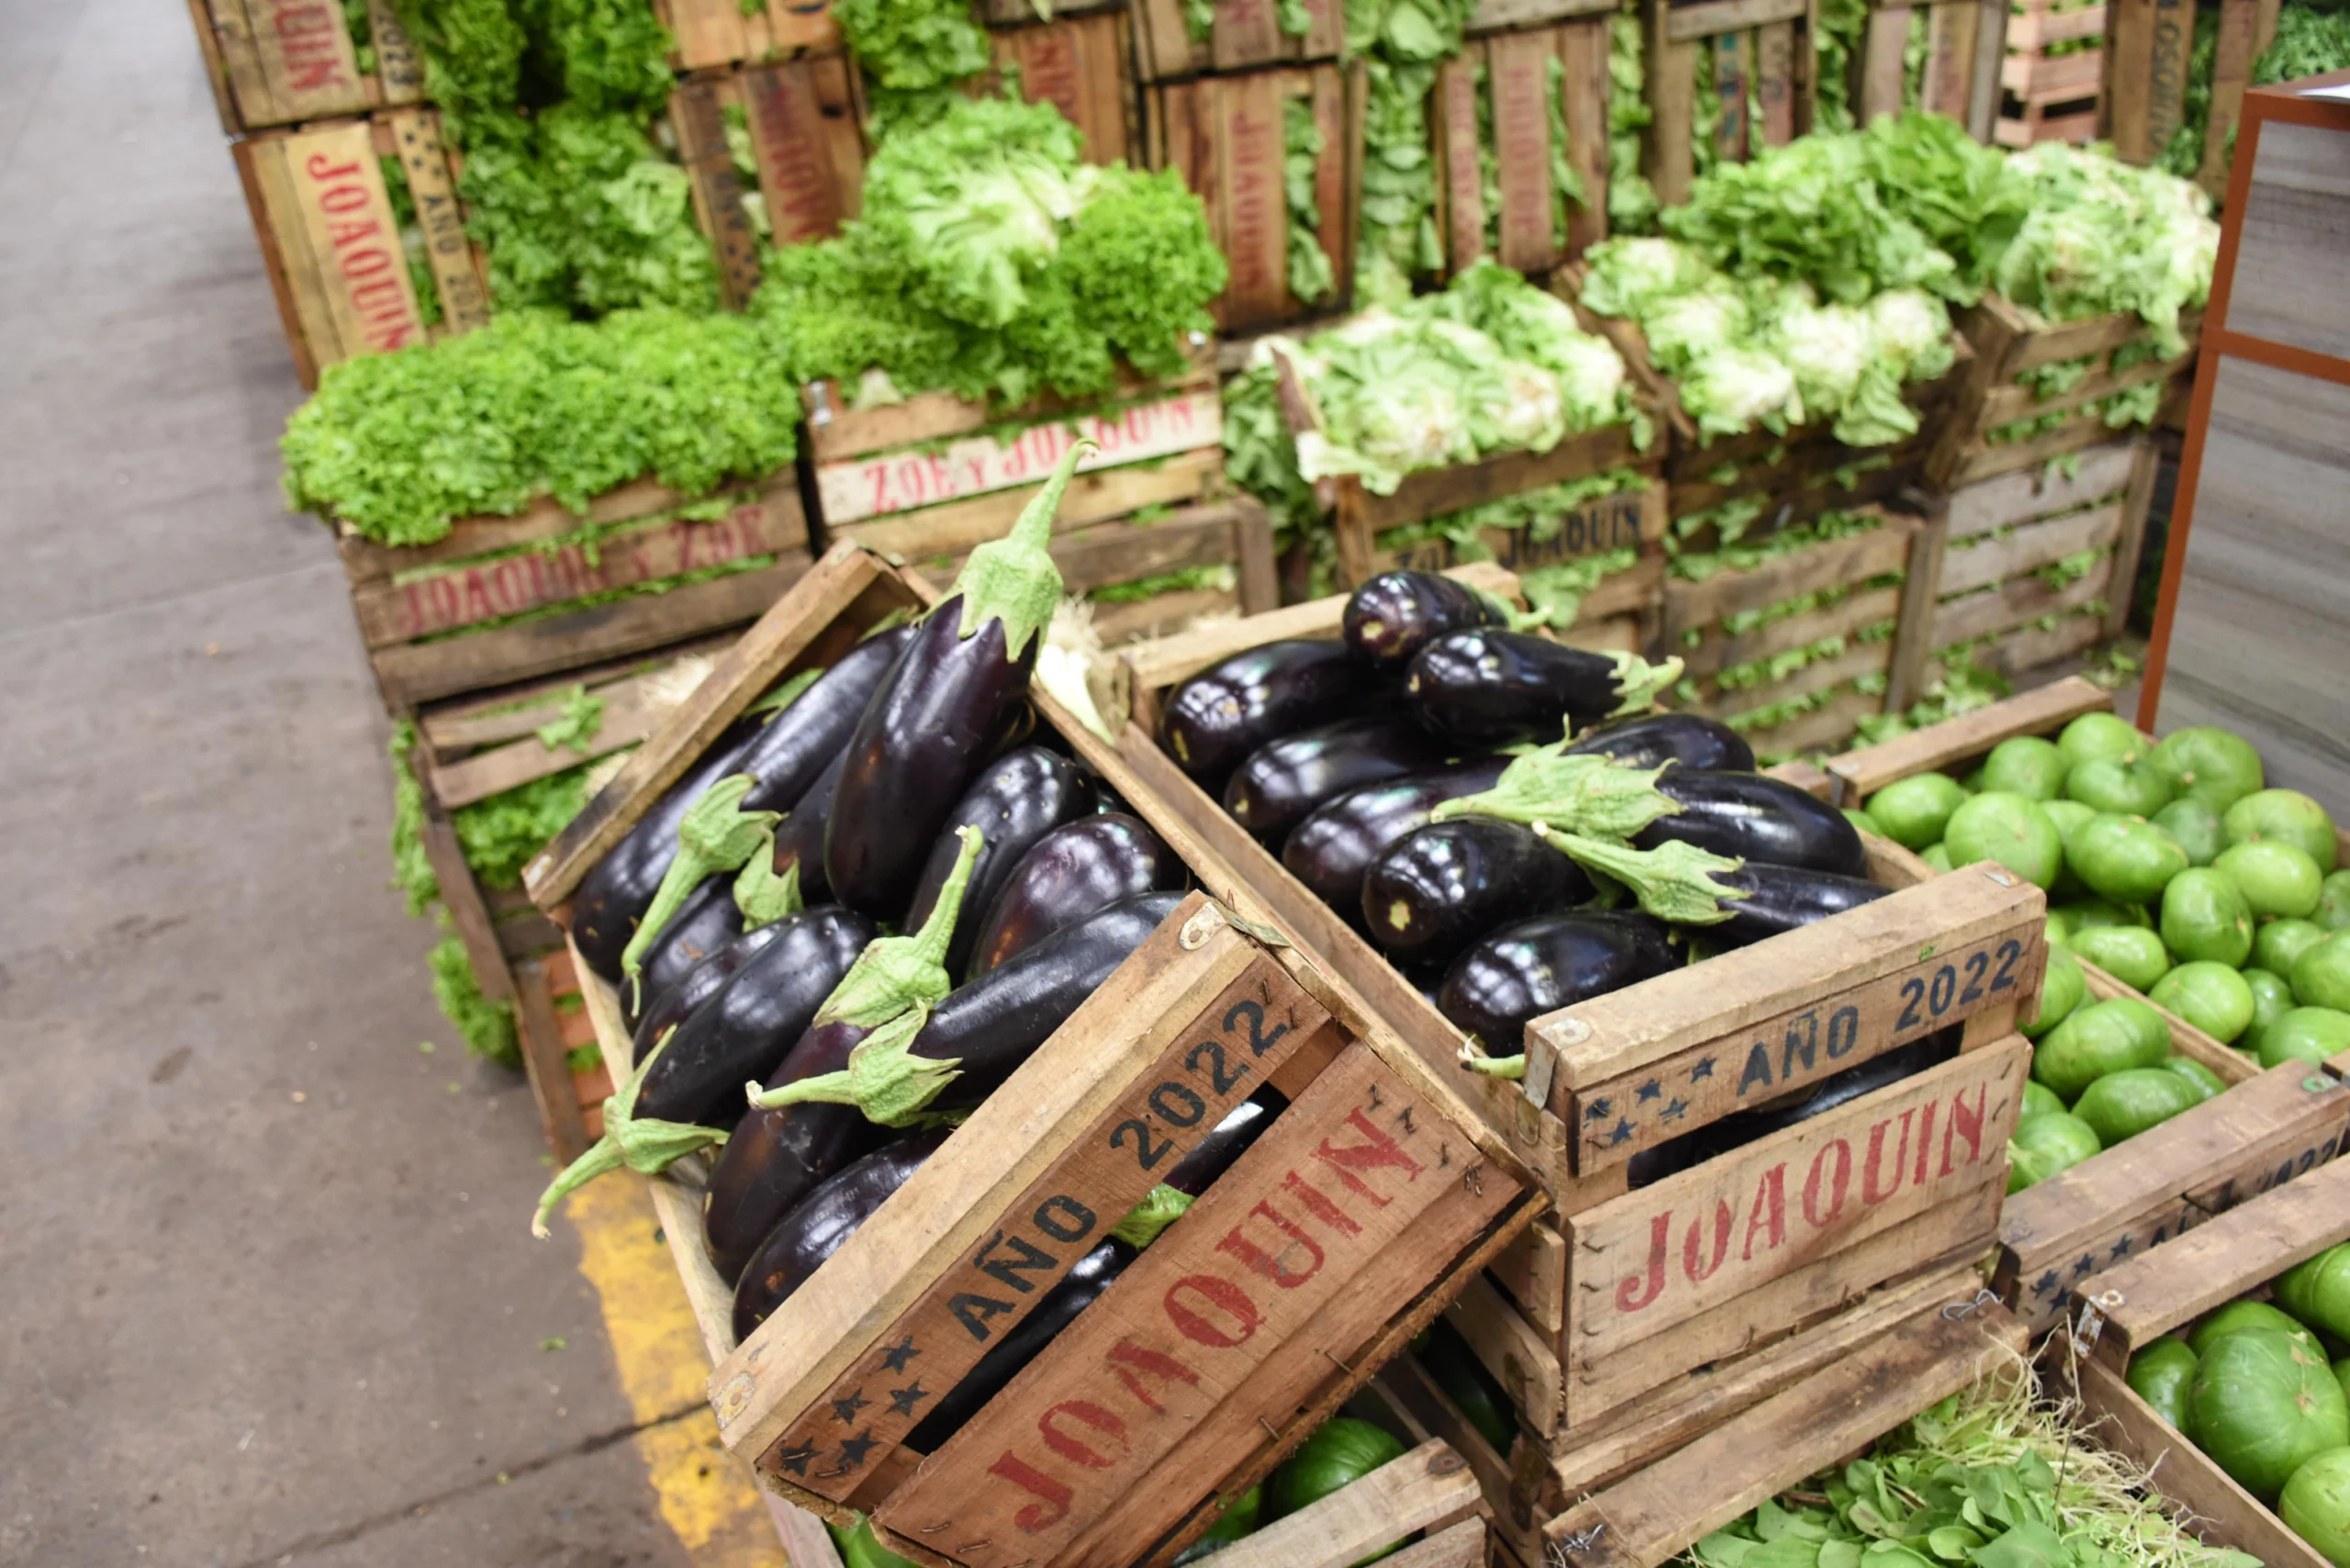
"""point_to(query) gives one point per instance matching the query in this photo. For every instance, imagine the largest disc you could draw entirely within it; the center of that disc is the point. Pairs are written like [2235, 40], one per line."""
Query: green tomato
[2208, 1084]
[2213, 997]
[2064, 988]
[2207, 765]
[2101, 737]
[2285, 817]
[2315, 1503]
[2321, 976]
[1937, 858]
[2271, 1000]
[2052, 1141]
[2277, 879]
[2027, 766]
[2195, 827]
[2333, 902]
[2085, 913]
[2114, 1035]
[2160, 1374]
[2118, 788]
[2205, 916]
[2011, 829]
[1913, 812]
[2305, 1034]
[2121, 1106]
[2126, 859]
[2038, 1100]
[2130, 954]
[2275, 945]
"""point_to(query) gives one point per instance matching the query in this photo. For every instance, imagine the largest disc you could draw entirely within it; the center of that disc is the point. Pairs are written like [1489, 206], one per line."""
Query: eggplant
[774, 1159]
[1396, 614]
[1021, 1343]
[1487, 687]
[796, 746]
[1215, 719]
[812, 1232]
[705, 922]
[619, 889]
[960, 687]
[1533, 967]
[1747, 816]
[1690, 739]
[1439, 888]
[799, 836]
[1226, 1142]
[1022, 796]
[1838, 1089]
[1068, 874]
[679, 1003]
[1283, 782]
[1782, 897]
[1331, 849]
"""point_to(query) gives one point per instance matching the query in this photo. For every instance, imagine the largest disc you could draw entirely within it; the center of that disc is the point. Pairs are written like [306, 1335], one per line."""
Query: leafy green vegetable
[1397, 240]
[498, 835]
[912, 45]
[1631, 200]
[2310, 40]
[411, 871]
[486, 1027]
[577, 725]
[2101, 237]
[1843, 27]
[1310, 277]
[1186, 579]
[419, 269]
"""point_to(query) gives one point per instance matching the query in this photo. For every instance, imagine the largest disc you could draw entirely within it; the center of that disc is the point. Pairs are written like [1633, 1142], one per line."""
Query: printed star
[795, 1460]
[1672, 1111]
[2046, 1284]
[1703, 1068]
[2087, 1262]
[2162, 1234]
[903, 1400]
[2121, 1248]
[1622, 1134]
[854, 1451]
[1650, 1091]
[845, 1410]
[896, 1357]
[1599, 1112]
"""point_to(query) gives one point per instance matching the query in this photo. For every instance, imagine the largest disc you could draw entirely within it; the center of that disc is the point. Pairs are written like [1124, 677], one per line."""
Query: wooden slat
[2018, 602]
[424, 162]
[804, 143]
[1950, 58]
[1427, 1485]
[1820, 675]
[544, 1061]
[1709, 17]
[954, 527]
[2033, 545]
[1435, 492]
[1884, 64]
[1953, 742]
[1851, 560]
[632, 708]
[1533, 1274]
[1719, 652]
[1077, 64]
[2012, 498]
[1584, 90]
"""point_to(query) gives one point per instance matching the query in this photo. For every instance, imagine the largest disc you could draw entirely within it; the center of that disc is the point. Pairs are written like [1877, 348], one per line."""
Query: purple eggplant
[1215, 719]
[799, 836]
[1782, 897]
[1396, 614]
[1068, 874]
[958, 691]
[804, 739]
[821, 1225]
[1690, 739]
[1022, 796]
[1750, 817]
[619, 889]
[679, 1003]
[774, 1159]
[705, 922]
[1487, 686]
[1533, 967]
[1331, 849]
[1282, 782]
[1439, 888]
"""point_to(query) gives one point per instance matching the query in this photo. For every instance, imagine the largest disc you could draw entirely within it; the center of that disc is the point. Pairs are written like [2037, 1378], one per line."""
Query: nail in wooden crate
[1228, 137]
[2010, 342]
[1964, 61]
[2148, 46]
[1531, 87]
[2124, 1308]
[331, 242]
[1761, 53]
[284, 62]
[507, 598]
[1340, 1234]
[2049, 93]
[728, 32]
[1243, 34]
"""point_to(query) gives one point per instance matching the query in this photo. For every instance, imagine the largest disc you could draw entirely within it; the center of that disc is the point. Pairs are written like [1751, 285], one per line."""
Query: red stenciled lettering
[1840, 1183]
[1696, 1239]
[1925, 1143]
[475, 603]
[1965, 1124]
[1630, 1295]
[1767, 1216]
[1274, 1266]
[1870, 1194]
[802, 203]
[349, 232]
[879, 474]
[342, 198]
[1381, 1152]
[1129, 1363]
[317, 167]
[1051, 1494]
[1254, 147]
[1319, 1206]
[1052, 1426]
[372, 263]
[381, 298]
[296, 21]
[1222, 1296]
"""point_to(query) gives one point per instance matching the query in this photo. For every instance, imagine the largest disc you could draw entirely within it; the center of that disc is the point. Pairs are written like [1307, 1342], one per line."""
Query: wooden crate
[1761, 50]
[2046, 96]
[1390, 1253]
[2124, 1308]
[1084, 66]
[282, 62]
[728, 32]
[1227, 135]
[1956, 746]
[2148, 46]
[807, 153]
[2008, 341]
[1244, 34]
[1512, 74]
[435, 618]
[1964, 61]
[332, 247]
[1430, 1491]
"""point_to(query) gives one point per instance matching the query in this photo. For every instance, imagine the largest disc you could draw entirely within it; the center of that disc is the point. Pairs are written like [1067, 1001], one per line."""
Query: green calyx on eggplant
[1395, 614]
[1333, 846]
[950, 702]
[888, 992]
[1648, 739]
[1215, 720]
[762, 896]
[1283, 782]
[1441, 886]
[1022, 796]
[1678, 883]
[705, 923]
[1589, 793]
[1161, 1207]
[645, 1146]
[821, 1225]
[1067, 874]
[1532, 967]
[615, 893]
[1485, 687]
[715, 835]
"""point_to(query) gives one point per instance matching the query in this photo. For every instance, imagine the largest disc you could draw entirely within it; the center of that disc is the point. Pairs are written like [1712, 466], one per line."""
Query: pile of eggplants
[963, 884]
[1367, 766]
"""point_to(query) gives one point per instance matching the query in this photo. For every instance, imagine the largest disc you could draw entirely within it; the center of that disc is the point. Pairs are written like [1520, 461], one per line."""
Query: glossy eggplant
[797, 1247]
[1067, 874]
[799, 836]
[1487, 687]
[1439, 888]
[773, 1160]
[1690, 739]
[619, 889]
[1533, 967]
[1331, 849]
[1022, 796]
[1282, 782]
[1748, 816]
[1782, 897]
[1021, 1343]
[1396, 614]
[704, 981]
[708, 921]
[960, 688]
[796, 746]
[1226, 1142]
[744, 1030]
[1215, 719]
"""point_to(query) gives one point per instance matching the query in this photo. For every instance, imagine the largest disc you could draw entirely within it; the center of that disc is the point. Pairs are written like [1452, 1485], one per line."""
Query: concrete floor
[266, 1291]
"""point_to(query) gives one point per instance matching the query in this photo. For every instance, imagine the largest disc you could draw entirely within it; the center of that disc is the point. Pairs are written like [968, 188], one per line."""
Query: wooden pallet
[435, 617]
[1507, 81]
[2148, 46]
[2127, 1307]
[334, 253]
[1764, 47]
[1389, 1253]
[1227, 135]
[729, 32]
[1246, 34]
[808, 158]
[2007, 341]
[1962, 73]
[284, 62]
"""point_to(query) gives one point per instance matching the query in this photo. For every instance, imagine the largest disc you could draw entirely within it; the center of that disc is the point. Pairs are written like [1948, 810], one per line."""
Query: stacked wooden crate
[275, 63]
[2053, 79]
[1961, 74]
[1761, 54]
[2149, 51]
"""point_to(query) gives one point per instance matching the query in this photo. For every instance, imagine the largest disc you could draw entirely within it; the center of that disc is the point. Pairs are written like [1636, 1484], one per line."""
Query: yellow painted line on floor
[706, 1495]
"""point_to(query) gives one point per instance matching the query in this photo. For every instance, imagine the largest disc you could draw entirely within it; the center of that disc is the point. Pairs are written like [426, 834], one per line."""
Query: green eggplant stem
[889, 1085]
[1674, 881]
[762, 896]
[1496, 1067]
[1161, 1207]
[1013, 579]
[1585, 792]
[1638, 682]
[650, 1146]
[716, 834]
